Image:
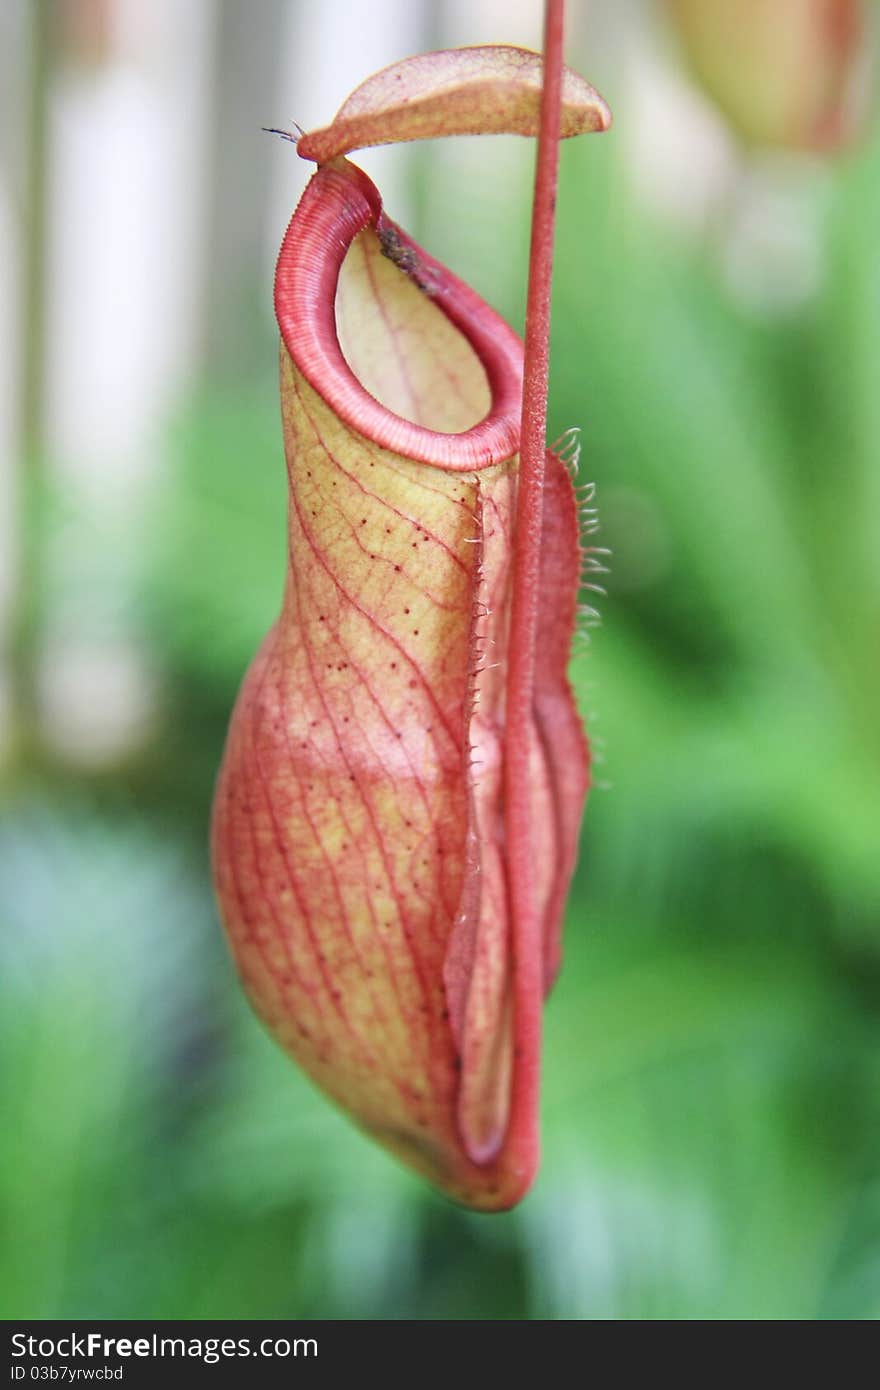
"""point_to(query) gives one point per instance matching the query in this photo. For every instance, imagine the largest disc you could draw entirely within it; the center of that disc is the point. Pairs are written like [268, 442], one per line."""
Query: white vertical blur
[681, 155]
[13, 102]
[328, 49]
[469, 232]
[125, 214]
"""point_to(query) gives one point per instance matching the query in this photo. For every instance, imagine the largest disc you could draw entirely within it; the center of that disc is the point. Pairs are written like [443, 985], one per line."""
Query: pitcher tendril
[525, 914]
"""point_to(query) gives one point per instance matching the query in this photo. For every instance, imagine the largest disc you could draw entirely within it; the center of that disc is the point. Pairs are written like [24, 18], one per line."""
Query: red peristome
[338, 203]
[359, 822]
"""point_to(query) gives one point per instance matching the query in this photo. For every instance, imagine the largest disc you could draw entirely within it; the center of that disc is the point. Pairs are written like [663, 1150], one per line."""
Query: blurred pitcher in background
[785, 73]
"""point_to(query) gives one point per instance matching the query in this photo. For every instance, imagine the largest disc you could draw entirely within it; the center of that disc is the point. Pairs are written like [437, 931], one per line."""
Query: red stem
[527, 927]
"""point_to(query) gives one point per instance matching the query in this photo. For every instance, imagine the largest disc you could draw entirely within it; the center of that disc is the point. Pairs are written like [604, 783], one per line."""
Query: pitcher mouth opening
[338, 205]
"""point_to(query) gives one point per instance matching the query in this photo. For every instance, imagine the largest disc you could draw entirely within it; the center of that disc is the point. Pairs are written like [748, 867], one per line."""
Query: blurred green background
[712, 1074]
